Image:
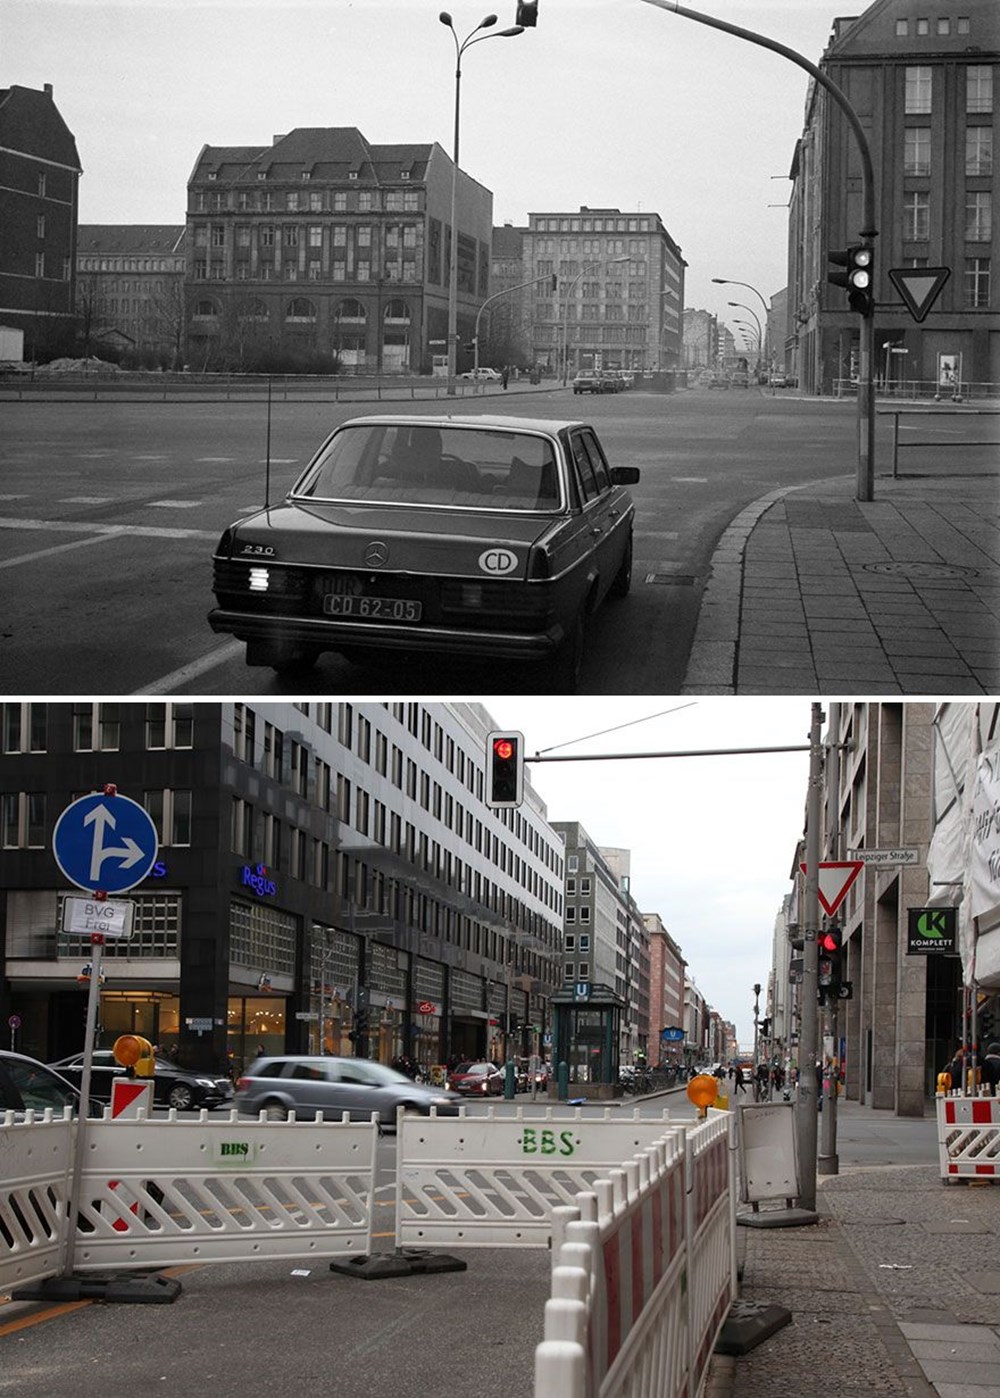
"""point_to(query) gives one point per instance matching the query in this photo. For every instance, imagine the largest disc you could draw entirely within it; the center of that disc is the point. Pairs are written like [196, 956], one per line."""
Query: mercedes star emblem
[376, 554]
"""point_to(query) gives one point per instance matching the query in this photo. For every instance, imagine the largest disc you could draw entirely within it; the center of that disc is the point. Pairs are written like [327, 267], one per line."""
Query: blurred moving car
[27, 1085]
[586, 381]
[477, 1079]
[486, 536]
[305, 1085]
[483, 375]
[173, 1086]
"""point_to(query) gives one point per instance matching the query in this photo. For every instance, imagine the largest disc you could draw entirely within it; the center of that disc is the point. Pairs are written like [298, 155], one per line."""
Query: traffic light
[765, 1027]
[504, 770]
[830, 969]
[527, 13]
[858, 263]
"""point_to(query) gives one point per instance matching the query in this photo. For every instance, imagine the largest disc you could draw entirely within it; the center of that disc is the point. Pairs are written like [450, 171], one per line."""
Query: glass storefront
[255, 1026]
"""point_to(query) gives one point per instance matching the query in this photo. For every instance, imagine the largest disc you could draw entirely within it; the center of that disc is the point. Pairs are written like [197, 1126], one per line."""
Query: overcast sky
[713, 839]
[610, 103]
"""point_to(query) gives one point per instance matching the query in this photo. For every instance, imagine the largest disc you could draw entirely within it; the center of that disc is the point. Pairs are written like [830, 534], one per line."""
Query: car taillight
[242, 1084]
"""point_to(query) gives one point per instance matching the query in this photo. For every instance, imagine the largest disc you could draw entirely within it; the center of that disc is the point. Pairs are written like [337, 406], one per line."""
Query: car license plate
[372, 608]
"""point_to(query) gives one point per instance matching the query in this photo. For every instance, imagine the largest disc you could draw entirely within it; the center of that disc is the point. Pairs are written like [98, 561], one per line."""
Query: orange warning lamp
[132, 1051]
[702, 1090]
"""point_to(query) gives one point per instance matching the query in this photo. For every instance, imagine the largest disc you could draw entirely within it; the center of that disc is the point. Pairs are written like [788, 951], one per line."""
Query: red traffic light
[504, 748]
[504, 770]
[830, 941]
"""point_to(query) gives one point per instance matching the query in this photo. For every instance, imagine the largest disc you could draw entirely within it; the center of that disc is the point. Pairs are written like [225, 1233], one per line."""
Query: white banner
[985, 893]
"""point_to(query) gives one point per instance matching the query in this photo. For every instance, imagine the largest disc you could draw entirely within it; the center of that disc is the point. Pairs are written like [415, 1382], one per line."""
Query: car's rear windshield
[407, 463]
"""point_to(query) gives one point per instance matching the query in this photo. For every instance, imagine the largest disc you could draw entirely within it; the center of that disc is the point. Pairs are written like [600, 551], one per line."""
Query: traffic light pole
[807, 1104]
[866, 392]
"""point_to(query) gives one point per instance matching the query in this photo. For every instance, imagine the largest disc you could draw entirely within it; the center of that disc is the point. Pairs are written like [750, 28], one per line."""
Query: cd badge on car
[498, 561]
[377, 554]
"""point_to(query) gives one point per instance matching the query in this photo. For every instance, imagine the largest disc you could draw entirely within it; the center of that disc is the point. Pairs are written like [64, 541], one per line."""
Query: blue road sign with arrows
[105, 843]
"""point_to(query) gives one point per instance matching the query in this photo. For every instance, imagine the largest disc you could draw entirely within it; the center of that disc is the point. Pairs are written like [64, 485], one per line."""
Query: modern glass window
[917, 150]
[22, 820]
[916, 217]
[170, 812]
[169, 725]
[24, 727]
[96, 728]
[979, 150]
[918, 89]
[979, 88]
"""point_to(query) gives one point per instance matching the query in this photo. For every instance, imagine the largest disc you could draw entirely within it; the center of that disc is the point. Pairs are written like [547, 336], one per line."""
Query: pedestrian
[740, 1079]
[819, 1087]
[504, 375]
[991, 1067]
[763, 1073]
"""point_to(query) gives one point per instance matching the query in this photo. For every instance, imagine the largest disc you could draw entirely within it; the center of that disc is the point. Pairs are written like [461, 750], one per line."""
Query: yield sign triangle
[835, 878]
[919, 287]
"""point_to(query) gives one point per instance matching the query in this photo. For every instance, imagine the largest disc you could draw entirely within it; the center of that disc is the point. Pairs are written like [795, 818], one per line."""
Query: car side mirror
[624, 475]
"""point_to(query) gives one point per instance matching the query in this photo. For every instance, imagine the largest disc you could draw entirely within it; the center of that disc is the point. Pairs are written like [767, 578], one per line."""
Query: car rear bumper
[295, 631]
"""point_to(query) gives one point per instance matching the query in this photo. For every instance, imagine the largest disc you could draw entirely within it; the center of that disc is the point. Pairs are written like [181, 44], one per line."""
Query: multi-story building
[632, 962]
[921, 80]
[39, 178]
[618, 296]
[666, 992]
[329, 246]
[319, 865]
[130, 291]
[504, 336]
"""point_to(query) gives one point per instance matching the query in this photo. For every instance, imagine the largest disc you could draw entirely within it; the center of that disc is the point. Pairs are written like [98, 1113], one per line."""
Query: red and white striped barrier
[969, 1137]
[645, 1272]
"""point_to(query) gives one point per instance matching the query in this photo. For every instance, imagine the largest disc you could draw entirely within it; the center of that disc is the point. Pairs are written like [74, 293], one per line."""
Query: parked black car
[27, 1085]
[172, 1086]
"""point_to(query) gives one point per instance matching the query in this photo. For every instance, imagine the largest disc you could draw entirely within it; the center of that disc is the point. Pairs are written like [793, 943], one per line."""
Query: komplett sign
[931, 930]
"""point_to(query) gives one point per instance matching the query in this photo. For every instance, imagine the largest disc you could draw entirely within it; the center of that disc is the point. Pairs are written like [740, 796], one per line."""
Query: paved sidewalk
[813, 592]
[895, 1291]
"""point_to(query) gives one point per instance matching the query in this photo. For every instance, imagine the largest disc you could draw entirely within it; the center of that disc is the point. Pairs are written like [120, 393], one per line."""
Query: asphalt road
[109, 513]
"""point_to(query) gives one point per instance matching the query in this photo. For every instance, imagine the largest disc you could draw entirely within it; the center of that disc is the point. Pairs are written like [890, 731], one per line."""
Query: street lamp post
[756, 1029]
[460, 48]
[587, 266]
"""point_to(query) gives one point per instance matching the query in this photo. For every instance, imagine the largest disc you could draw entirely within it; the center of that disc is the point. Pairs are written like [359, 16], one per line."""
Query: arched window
[256, 310]
[300, 309]
[397, 312]
[351, 310]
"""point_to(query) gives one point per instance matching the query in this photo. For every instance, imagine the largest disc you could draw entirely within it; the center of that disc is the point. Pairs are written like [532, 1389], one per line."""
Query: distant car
[305, 1085]
[778, 381]
[483, 375]
[481, 1079]
[587, 381]
[487, 536]
[616, 379]
[27, 1085]
[172, 1086]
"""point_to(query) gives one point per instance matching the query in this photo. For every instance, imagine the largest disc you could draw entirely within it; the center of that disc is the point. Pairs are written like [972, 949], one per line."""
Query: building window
[24, 727]
[585, 914]
[918, 90]
[917, 150]
[169, 725]
[916, 217]
[96, 728]
[979, 88]
[979, 150]
[570, 914]
[273, 741]
[944, 26]
[569, 942]
[583, 970]
[299, 768]
[977, 282]
[22, 818]
[962, 24]
[244, 732]
[39, 264]
[242, 819]
[902, 28]
[170, 812]
[978, 217]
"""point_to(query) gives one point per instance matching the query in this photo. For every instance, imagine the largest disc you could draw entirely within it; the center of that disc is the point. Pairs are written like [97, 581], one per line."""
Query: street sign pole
[73, 1202]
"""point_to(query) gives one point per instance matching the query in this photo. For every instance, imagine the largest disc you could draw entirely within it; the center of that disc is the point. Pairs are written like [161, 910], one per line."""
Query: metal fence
[926, 415]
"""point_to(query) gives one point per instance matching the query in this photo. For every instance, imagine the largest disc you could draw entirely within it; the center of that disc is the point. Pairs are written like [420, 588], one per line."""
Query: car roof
[490, 420]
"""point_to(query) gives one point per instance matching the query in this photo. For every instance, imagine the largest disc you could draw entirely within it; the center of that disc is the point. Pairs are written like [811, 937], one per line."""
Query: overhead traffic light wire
[617, 728]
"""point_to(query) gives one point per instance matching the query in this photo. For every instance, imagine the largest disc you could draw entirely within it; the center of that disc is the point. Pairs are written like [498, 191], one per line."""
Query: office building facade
[328, 876]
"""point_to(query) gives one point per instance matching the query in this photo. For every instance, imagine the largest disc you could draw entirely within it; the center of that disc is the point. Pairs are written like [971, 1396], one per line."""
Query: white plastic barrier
[35, 1165]
[646, 1273]
[493, 1181]
[969, 1137]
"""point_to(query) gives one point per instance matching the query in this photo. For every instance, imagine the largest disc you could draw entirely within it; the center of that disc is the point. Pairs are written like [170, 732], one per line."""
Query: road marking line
[174, 504]
[86, 499]
[60, 526]
[213, 460]
[55, 548]
[14, 497]
[690, 480]
[12, 1326]
[166, 684]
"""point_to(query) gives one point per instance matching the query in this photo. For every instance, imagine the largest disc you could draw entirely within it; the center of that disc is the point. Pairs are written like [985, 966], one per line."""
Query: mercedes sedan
[493, 537]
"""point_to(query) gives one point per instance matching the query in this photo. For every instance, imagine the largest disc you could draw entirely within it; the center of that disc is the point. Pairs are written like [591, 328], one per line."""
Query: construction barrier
[35, 1164]
[493, 1181]
[969, 1137]
[157, 1192]
[645, 1272]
